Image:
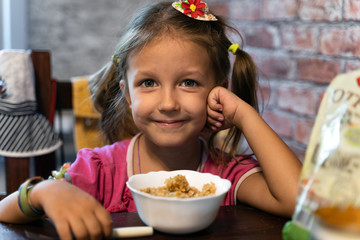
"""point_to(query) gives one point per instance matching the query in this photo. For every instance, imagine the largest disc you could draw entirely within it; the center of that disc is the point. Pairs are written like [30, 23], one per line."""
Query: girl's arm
[275, 188]
[73, 211]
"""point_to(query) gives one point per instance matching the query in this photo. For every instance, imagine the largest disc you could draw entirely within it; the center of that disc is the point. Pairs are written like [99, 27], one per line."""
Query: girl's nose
[168, 101]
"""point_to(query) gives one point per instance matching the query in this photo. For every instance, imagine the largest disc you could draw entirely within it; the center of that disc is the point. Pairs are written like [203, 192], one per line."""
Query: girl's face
[168, 84]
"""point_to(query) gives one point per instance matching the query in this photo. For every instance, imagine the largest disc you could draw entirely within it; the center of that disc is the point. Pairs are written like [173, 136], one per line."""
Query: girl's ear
[125, 91]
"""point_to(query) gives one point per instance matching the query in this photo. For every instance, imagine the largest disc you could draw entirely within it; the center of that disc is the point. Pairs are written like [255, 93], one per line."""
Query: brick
[277, 66]
[245, 10]
[299, 38]
[318, 70]
[220, 9]
[303, 130]
[264, 94]
[280, 123]
[279, 9]
[321, 96]
[320, 10]
[262, 36]
[297, 99]
[340, 42]
[352, 66]
[352, 9]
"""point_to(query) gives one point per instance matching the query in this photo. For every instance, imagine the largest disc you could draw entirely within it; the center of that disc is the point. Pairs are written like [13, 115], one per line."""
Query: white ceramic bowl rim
[219, 191]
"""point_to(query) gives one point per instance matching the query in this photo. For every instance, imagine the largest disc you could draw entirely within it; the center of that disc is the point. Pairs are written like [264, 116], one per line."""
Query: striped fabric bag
[23, 131]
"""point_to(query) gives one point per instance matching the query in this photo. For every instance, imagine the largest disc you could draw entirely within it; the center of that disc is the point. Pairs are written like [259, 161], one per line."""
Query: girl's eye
[189, 83]
[148, 83]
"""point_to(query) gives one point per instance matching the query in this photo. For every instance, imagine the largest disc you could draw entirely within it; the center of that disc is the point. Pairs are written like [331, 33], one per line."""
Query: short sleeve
[87, 172]
[102, 172]
[236, 171]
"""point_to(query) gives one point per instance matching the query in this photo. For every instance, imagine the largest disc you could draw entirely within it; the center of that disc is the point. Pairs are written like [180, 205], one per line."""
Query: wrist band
[24, 200]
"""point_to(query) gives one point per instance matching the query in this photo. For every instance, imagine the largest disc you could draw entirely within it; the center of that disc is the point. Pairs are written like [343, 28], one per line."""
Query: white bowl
[177, 215]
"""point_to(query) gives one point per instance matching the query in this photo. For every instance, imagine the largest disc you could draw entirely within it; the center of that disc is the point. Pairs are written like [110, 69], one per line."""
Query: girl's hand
[221, 108]
[73, 211]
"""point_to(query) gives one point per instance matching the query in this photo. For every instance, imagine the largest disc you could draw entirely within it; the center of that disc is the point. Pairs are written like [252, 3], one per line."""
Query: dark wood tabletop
[236, 222]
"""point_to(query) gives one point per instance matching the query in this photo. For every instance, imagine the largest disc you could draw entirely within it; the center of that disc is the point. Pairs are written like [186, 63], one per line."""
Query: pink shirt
[103, 172]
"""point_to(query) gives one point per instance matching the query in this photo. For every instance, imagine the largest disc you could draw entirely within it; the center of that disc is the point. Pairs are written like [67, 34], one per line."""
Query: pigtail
[99, 84]
[244, 84]
[110, 101]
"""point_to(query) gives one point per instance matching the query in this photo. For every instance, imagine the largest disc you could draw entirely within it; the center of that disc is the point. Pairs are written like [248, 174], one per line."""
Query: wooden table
[237, 222]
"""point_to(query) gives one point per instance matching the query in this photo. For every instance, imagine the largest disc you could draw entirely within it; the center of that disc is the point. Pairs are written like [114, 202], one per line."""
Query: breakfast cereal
[178, 186]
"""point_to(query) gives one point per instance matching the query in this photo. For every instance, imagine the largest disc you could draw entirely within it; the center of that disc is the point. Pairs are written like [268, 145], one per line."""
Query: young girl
[167, 87]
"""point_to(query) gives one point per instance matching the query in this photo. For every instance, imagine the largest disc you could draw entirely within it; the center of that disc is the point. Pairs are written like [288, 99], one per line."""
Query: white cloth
[23, 131]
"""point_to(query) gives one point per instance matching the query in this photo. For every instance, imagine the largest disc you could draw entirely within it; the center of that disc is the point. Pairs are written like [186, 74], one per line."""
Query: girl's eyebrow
[144, 73]
[183, 73]
[194, 72]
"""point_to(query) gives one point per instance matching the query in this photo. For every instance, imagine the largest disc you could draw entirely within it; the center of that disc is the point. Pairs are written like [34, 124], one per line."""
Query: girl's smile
[171, 123]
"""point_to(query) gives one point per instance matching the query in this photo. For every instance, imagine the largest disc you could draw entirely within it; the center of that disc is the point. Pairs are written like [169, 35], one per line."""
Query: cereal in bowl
[179, 187]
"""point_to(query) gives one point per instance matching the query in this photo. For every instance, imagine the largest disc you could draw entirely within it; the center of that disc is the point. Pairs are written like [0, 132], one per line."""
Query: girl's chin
[172, 141]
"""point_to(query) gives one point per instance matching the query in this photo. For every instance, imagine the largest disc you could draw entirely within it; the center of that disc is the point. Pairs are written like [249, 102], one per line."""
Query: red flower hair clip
[194, 9]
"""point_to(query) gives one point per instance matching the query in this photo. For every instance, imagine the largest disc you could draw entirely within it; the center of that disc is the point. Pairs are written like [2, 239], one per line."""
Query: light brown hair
[157, 21]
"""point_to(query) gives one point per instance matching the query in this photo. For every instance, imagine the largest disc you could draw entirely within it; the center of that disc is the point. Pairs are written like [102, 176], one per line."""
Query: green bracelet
[24, 200]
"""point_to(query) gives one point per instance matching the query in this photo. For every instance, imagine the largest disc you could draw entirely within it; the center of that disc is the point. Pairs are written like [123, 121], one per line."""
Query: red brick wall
[299, 46]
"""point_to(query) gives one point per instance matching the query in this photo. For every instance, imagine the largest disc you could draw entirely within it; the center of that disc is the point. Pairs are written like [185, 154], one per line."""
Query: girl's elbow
[287, 207]
[289, 211]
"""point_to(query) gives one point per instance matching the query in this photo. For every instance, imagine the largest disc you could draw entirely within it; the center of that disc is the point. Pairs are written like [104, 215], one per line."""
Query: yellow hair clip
[233, 48]
[115, 59]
